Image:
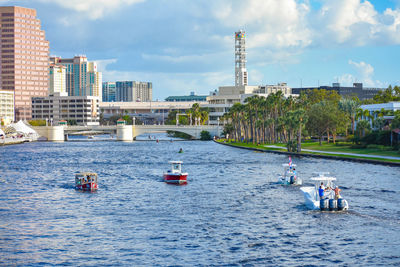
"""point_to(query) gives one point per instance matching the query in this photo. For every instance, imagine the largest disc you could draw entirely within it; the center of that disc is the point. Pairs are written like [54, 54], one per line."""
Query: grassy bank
[339, 148]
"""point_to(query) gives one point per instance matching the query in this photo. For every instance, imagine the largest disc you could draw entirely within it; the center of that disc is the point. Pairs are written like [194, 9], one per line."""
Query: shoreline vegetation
[312, 149]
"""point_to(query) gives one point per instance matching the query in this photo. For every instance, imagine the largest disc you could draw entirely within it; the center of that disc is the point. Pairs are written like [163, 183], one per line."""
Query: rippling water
[230, 213]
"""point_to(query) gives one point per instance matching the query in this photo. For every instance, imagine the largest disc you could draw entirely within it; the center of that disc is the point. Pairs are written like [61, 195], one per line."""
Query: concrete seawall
[371, 161]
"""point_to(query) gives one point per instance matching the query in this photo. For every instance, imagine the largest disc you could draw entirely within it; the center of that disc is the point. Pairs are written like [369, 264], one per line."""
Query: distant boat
[90, 137]
[86, 181]
[289, 176]
[175, 175]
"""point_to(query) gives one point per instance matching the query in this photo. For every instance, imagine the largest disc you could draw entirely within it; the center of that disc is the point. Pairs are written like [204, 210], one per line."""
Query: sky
[188, 45]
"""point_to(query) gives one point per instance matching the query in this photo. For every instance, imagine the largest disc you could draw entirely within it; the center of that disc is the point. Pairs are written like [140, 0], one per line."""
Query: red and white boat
[86, 181]
[175, 175]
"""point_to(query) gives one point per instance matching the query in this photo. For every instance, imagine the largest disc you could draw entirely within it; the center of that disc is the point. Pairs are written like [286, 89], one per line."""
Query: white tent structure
[24, 129]
[1, 132]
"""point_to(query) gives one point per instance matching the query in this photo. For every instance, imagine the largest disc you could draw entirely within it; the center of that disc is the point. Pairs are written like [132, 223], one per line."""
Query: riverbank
[374, 159]
[13, 141]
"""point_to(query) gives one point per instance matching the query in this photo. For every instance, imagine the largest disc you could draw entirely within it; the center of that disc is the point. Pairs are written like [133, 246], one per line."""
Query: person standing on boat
[337, 192]
[321, 191]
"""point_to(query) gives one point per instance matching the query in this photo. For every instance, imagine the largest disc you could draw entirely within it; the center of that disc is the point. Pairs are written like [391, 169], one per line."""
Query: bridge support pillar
[124, 133]
[55, 133]
[51, 133]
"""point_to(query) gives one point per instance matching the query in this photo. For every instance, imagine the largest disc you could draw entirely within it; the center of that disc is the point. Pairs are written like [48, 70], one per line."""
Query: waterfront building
[82, 76]
[219, 102]
[192, 97]
[24, 58]
[240, 59]
[6, 107]
[356, 90]
[149, 112]
[128, 91]
[84, 110]
[57, 81]
[109, 92]
[375, 109]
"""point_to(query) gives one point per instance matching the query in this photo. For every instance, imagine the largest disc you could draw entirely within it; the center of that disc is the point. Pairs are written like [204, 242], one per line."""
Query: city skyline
[181, 46]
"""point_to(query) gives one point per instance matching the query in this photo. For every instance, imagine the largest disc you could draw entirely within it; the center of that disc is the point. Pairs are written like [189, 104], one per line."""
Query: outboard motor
[332, 204]
[341, 204]
[323, 204]
[292, 180]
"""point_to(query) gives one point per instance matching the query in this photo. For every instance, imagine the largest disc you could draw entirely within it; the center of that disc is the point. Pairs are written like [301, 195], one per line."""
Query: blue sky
[188, 45]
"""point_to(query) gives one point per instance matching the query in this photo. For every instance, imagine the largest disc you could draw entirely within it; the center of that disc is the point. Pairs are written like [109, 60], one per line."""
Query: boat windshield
[176, 167]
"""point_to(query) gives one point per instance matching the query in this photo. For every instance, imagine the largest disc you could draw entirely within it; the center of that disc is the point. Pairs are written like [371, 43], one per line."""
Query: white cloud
[356, 23]
[94, 9]
[271, 23]
[103, 63]
[364, 74]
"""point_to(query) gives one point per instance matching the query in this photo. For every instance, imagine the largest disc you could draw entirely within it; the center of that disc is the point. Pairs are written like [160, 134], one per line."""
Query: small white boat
[289, 176]
[90, 137]
[322, 196]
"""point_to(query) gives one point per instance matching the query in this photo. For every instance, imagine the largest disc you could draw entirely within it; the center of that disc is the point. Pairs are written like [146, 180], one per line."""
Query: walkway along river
[231, 212]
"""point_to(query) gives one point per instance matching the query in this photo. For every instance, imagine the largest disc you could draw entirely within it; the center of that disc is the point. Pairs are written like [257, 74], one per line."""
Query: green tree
[362, 128]
[37, 122]
[205, 136]
[350, 107]
[387, 95]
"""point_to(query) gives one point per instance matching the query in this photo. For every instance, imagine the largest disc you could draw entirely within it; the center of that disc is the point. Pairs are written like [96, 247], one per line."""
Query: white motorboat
[289, 176]
[326, 199]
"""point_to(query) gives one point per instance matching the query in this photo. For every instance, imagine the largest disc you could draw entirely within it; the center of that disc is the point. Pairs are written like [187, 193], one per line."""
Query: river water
[231, 212]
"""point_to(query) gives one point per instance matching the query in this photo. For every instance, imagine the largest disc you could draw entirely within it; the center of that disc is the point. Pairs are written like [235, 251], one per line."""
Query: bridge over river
[125, 132]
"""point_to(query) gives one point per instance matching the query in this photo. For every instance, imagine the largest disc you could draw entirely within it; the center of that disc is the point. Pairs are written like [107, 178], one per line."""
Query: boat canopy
[82, 174]
[175, 162]
[320, 173]
[287, 165]
[323, 178]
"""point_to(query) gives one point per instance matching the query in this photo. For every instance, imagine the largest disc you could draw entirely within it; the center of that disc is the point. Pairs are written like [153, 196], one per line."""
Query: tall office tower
[57, 80]
[24, 58]
[130, 91]
[240, 59]
[109, 91]
[82, 76]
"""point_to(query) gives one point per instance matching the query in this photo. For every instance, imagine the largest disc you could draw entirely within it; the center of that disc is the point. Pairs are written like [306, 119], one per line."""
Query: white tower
[240, 59]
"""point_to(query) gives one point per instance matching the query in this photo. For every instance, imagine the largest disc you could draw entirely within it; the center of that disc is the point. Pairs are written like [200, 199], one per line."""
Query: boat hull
[286, 181]
[87, 187]
[175, 178]
[312, 200]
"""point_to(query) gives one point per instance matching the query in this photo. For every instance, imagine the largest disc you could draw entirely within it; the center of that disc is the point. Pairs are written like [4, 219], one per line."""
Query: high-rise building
[57, 82]
[24, 57]
[109, 91]
[82, 77]
[6, 106]
[128, 91]
[240, 59]
[83, 110]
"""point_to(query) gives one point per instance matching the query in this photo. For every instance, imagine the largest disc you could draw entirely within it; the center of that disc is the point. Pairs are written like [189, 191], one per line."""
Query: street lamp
[47, 120]
[134, 120]
[218, 121]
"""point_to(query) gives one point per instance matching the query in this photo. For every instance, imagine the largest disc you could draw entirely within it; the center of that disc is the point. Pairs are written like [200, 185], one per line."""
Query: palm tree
[350, 106]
